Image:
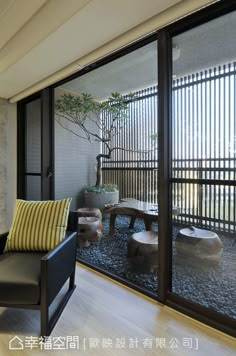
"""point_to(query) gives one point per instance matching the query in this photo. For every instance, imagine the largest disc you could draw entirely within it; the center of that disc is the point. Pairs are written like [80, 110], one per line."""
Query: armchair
[32, 280]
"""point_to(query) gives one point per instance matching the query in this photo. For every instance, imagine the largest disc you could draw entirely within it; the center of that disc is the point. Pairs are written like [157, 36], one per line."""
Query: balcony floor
[212, 284]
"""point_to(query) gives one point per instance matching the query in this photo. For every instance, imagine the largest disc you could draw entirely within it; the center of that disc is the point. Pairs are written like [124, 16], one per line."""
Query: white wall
[7, 163]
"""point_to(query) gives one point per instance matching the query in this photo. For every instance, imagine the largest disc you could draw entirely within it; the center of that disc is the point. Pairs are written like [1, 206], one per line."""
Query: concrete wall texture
[7, 163]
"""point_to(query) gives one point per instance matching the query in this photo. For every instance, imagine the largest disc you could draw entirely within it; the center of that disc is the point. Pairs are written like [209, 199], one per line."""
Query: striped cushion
[38, 226]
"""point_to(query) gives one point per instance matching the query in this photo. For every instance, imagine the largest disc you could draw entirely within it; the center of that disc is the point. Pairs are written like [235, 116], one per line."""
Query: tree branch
[74, 133]
[130, 150]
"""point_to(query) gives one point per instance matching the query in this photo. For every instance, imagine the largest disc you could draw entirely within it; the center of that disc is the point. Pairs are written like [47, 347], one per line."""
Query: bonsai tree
[75, 112]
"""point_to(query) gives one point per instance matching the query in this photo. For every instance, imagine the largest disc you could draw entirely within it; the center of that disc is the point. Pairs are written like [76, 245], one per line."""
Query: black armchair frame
[53, 277]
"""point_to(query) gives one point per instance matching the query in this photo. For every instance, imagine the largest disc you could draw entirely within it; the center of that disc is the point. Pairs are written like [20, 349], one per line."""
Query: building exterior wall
[75, 164]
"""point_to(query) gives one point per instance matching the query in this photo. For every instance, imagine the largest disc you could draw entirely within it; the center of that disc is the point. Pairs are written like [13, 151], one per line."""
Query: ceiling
[12, 18]
[40, 37]
[194, 50]
[134, 71]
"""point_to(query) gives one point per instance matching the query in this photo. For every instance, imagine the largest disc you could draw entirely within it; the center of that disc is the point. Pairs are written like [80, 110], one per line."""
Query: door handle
[49, 174]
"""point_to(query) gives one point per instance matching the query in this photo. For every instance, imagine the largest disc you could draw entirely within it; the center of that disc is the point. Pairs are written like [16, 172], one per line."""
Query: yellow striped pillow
[38, 226]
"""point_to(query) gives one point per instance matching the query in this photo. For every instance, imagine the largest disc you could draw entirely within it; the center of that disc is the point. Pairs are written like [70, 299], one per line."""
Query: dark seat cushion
[20, 277]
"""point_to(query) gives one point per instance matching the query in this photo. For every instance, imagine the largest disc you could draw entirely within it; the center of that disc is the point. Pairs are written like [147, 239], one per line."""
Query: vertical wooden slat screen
[136, 173]
[204, 149]
[204, 155]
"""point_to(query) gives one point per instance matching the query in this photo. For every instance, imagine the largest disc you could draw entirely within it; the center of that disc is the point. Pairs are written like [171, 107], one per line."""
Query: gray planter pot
[98, 200]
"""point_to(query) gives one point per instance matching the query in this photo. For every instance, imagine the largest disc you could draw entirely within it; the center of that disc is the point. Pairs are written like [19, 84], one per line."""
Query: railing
[205, 193]
[139, 181]
[203, 202]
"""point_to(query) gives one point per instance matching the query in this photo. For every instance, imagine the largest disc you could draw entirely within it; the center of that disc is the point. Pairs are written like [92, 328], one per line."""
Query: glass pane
[204, 165]
[123, 128]
[33, 188]
[33, 136]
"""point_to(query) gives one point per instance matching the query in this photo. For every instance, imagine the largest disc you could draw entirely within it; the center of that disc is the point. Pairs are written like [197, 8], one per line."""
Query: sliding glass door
[203, 166]
[106, 122]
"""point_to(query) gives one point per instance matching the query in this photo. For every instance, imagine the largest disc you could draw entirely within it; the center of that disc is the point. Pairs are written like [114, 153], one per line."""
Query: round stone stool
[89, 230]
[93, 212]
[142, 251]
[200, 243]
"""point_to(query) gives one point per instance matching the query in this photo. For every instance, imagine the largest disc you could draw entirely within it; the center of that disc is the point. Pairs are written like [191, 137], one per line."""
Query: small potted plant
[99, 196]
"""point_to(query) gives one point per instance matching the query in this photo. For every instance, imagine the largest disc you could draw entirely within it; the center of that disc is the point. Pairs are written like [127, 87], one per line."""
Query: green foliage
[72, 105]
[102, 188]
[80, 106]
[154, 136]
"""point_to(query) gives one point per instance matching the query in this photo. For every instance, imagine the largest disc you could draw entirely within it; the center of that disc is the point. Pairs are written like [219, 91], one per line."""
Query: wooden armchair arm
[57, 266]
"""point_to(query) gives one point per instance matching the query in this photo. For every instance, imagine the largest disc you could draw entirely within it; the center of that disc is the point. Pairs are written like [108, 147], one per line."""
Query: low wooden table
[135, 209]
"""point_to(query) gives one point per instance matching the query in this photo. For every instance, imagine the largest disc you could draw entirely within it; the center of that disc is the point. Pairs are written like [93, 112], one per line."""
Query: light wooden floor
[101, 309]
